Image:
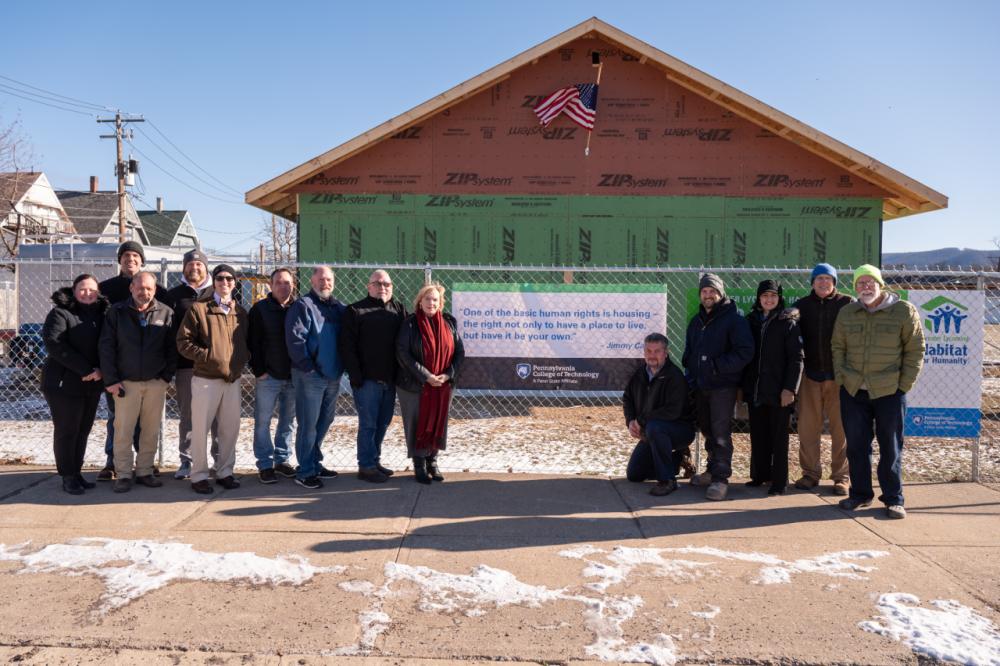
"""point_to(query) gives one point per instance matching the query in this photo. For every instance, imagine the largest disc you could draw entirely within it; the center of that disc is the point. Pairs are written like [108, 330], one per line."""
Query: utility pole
[120, 165]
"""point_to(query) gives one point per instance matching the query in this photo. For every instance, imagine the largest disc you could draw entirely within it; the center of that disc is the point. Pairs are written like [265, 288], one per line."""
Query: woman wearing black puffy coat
[770, 383]
[71, 377]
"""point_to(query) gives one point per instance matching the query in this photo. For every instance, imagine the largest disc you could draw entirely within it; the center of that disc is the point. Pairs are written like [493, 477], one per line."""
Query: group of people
[849, 361]
[128, 338]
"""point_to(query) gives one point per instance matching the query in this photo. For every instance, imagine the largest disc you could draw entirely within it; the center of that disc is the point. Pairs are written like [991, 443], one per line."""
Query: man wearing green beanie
[878, 351]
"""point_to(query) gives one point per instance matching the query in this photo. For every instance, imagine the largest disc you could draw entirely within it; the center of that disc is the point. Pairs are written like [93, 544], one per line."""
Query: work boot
[420, 470]
[841, 488]
[717, 491]
[87, 485]
[432, 468]
[372, 475]
[663, 488]
[384, 470]
[702, 479]
[72, 485]
[806, 483]
[149, 481]
[122, 485]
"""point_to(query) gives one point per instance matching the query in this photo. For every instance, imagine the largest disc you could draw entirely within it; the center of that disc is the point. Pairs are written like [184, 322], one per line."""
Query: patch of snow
[707, 614]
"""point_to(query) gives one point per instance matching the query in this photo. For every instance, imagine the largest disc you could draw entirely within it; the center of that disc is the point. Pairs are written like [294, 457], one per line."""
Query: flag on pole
[579, 102]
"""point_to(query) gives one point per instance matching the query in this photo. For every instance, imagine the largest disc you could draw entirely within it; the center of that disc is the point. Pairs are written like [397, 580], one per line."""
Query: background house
[94, 214]
[169, 228]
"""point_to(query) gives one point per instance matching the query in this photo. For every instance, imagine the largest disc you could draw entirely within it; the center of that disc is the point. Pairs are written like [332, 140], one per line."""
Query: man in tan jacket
[214, 336]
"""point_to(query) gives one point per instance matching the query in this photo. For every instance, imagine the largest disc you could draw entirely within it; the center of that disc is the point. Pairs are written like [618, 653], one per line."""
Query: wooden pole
[600, 68]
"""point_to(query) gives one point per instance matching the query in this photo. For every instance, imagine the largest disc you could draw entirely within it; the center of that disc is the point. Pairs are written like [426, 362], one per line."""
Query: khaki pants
[214, 400]
[816, 400]
[142, 402]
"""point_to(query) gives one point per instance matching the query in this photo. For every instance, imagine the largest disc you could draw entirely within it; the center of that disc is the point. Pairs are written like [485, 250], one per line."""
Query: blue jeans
[883, 419]
[315, 406]
[268, 393]
[374, 402]
[653, 456]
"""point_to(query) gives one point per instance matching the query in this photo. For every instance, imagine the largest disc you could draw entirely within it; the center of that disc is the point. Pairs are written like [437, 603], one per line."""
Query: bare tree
[996, 243]
[280, 237]
[14, 152]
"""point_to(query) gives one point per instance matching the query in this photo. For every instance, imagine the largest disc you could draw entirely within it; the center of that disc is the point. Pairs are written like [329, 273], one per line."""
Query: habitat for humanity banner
[555, 336]
[947, 398]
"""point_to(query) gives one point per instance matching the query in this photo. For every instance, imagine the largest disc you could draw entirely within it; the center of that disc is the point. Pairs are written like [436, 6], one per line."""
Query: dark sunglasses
[227, 278]
[381, 284]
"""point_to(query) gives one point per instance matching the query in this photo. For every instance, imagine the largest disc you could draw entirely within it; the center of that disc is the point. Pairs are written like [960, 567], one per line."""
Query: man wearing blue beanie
[819, 395]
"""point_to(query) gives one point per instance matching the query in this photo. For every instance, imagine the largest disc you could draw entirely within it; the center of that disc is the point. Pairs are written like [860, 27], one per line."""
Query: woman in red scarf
[430, 352]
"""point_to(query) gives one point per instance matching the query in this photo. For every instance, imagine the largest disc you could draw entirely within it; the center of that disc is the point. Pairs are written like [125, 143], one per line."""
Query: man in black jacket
[368, 347]
[819, 394]
[131, 259]
[718, 346]
[272, 367]
[658, 413]
[195, 282]
[138, 358]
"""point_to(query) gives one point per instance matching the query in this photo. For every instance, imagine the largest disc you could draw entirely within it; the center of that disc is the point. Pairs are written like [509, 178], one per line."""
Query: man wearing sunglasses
[214, 336]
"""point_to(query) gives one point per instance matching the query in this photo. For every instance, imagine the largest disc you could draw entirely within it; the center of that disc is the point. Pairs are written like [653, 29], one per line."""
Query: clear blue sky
[251, 89]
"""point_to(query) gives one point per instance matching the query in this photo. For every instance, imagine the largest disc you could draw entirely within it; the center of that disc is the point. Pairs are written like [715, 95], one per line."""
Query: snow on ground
[948, 631]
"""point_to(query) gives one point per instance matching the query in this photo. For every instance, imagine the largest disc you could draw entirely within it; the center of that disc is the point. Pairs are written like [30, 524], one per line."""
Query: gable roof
[161, 226]
[13, 187]
[907, 195]
[91, 212]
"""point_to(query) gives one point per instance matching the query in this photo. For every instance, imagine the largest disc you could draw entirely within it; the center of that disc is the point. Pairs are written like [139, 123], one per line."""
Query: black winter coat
[71, 334]
[367, 340]
[717, 348]
[131, 350]
[410, 354]
[180, 299]
[816, 318]
[777, 360]
[665, 397]
[116, 289]
[266, 339]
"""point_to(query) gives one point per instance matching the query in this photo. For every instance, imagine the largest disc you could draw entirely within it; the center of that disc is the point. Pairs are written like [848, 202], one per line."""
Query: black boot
[432, 468]
[87, 485]
[72, 485]
[420, 470]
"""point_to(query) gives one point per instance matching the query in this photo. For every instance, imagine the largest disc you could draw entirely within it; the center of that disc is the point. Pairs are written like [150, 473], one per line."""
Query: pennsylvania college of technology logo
[523, 370]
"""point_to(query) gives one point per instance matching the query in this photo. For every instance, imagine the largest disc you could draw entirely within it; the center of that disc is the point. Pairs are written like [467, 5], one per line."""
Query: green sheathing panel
[588, 230]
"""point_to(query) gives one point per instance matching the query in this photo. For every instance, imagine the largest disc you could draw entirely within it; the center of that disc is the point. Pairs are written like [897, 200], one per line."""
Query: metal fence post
[428, 274]
[980, 286]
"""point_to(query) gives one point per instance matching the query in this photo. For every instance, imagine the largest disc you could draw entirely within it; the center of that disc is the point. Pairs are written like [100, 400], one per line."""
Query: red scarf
[439, 348]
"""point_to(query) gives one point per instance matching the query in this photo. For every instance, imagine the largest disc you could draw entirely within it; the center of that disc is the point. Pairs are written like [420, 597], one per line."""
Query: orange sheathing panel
[652, 137]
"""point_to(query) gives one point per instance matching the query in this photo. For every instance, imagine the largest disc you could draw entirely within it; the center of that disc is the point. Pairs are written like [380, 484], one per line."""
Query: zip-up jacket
[816, 318]
[777, 360]
[881, 351]
[268, 351]
[413, 373]
[71, 334]
[116, 289]
[214, 340]
[665, 397]
[717, 348]
[181, 298]
[368, 340]
[138, 346]
[311, 329]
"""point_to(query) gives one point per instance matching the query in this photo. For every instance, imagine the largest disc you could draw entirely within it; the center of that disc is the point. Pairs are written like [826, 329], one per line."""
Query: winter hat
[131, 246]
[195, 255]
[769, 285]
[714, 281]
[223, 268]
[823, 269]
[870, 271]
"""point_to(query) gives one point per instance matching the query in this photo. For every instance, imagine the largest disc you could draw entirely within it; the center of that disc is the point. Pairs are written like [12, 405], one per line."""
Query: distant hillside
[947, 256]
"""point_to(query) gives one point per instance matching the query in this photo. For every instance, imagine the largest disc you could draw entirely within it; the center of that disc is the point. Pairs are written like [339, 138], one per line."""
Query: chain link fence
[548, 351]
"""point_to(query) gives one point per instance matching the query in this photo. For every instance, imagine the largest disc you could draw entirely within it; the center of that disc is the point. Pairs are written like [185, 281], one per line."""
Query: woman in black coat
[71, 377]
[430, 353]
[770, 383]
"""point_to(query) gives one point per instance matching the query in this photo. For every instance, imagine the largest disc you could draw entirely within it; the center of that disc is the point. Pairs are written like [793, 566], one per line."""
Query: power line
[175, 161]
[38, 101]
[167, 139]
[74, 100]
[185, 184]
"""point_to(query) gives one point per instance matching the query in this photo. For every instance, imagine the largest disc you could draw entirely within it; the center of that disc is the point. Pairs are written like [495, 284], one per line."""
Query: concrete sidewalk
[480, 567]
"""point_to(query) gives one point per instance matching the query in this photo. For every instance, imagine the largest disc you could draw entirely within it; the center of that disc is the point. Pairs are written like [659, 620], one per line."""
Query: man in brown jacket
[214, 336]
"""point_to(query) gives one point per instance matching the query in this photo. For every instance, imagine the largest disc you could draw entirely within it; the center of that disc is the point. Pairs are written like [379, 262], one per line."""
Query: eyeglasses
[381, 284]
[865, 284]
[225, 278]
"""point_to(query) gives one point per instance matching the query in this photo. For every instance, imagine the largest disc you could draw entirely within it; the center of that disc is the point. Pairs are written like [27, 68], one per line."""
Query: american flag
[579, 102]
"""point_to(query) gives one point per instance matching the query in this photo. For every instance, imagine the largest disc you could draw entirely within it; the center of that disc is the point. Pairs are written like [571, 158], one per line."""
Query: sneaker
[228, 482]
[325, 473]
[267, 476]
[853, 503]
[285, 470]
[663, 488]
[372, 475]
[384, 470]
[184, 471]
[717, 491]
[312, 483]
[702, 479]
[149, 481]
[122, 485]
[806, 483]
[895, 511]
[202, 487]
[841, 488]
[106, 474]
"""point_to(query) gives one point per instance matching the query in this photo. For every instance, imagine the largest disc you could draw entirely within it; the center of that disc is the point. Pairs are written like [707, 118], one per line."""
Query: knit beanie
[223, 268]
[131, 246]
[195, 255]
[869, 270]
[769, 285]
[823, 269]
[714, 281]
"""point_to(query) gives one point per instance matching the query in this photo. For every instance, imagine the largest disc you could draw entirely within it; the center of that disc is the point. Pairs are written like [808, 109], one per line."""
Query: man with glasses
[878, 351]
[214, 336]
[368, 348]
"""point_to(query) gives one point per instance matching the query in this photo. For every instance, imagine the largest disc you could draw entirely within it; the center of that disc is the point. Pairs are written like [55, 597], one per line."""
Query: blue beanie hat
[823, 269]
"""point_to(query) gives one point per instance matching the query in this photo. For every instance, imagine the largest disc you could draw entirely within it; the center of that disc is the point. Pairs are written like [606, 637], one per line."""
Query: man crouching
[658, 413]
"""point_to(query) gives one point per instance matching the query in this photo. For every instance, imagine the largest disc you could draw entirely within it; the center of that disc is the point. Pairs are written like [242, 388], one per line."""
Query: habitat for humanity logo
[944, 313]
[945, 344]
[523, 370]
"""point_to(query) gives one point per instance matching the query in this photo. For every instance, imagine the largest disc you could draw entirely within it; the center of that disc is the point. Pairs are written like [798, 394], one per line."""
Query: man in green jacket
[878, 350]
